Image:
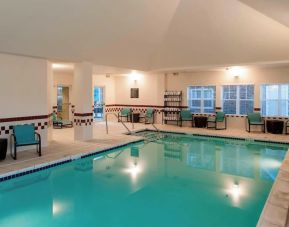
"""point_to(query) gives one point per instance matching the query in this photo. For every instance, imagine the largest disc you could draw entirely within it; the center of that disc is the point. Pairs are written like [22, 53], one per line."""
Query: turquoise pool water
[177, 181]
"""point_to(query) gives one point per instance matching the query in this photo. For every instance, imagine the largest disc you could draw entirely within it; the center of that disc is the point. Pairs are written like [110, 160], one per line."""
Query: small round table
[275, 126]
[3, 148]
[200, 121]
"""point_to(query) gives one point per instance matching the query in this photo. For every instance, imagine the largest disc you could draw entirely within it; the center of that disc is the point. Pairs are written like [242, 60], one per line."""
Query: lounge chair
[126, 113]
[255, 119]
[58, 122]
[149, 115]
[219, 118]
[186, 115]
[25, 135]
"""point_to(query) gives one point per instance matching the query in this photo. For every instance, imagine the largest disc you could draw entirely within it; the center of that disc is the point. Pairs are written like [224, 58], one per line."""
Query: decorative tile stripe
[28, 118]
[8, 129]
[44, 166]
[82, 122]
[216, 136]
[83, 114]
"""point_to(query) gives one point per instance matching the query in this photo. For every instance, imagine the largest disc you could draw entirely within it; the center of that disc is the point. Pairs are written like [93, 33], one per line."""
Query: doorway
[98, 101]
[63, 102]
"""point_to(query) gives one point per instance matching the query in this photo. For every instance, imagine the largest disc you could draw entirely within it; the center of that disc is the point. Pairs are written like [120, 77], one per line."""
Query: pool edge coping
[47, 165]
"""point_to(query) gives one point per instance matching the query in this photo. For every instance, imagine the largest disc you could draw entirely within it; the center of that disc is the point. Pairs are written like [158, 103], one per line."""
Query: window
[59, 98]
[201, 99]
[275, 99]
[238, 99]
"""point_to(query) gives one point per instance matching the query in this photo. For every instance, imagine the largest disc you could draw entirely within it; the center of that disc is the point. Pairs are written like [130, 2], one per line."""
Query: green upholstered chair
[149, 116]
[186, 115]
[255, 119]
[58, 122]
[25, 135]
[124, 113]
[213, 122]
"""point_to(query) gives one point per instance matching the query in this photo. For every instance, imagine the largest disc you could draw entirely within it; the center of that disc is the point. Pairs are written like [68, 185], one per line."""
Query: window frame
[202, 99]
[279, 100]
[238, 99]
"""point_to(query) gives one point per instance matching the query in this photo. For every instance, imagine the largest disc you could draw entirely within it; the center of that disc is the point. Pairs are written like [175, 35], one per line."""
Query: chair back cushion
[24, 133]
[149, 112]
[54, 117]
[255, 117]
[186, 115]
[220, 116]
[125, 111]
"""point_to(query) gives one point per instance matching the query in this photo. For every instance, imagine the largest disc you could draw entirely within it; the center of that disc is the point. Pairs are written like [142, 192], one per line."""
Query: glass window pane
[229, 106]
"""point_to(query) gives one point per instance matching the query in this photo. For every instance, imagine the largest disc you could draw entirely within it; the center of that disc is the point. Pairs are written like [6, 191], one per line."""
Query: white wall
[25, 92]
[23, 86]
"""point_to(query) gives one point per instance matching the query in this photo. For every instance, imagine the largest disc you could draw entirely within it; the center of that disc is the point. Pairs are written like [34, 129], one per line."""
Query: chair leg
[181, 123]
[15, 152]
[249, 128]
[39, 149]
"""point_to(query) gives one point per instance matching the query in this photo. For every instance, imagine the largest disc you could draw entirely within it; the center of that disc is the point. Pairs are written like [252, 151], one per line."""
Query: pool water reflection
[178, 181]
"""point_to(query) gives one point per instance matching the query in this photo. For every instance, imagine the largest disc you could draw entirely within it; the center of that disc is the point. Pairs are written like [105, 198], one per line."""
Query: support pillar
[82, 92]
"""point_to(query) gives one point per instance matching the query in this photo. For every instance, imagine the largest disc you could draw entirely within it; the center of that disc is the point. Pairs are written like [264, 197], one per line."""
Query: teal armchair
[219, 118]
[58, 122]
[149, 116]
[255, 119]
[186, 115]
[124, 113]
[25, 135]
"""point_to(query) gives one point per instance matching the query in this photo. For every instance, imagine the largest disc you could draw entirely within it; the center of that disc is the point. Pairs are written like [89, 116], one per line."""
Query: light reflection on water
[179, 181]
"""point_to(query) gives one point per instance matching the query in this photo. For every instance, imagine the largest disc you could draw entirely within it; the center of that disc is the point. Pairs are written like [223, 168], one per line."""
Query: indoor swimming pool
[178, 180]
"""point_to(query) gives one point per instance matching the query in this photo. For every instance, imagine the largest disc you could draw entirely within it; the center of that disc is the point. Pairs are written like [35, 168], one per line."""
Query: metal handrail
[106, 125]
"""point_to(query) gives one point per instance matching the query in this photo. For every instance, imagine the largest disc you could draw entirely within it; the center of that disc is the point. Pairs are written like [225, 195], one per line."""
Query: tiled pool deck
[63, 147]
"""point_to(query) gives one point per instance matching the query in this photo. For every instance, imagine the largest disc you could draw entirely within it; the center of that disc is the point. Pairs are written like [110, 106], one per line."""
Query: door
[98, 100]
[63, 102]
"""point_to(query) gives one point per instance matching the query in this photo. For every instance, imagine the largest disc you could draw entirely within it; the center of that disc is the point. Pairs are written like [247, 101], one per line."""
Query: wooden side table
[3, 148]
[135, 117]
[200, 121]
[275, 126]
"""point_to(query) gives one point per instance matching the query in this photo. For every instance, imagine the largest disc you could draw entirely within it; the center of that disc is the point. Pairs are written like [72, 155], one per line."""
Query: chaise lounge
[58, 122]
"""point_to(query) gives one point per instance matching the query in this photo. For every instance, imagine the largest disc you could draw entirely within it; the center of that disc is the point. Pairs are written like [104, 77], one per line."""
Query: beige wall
[151, 88]
[256, 76]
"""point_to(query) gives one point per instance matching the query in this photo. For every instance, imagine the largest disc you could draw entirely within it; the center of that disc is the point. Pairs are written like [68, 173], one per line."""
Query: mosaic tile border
[216, 136]
[45, 166]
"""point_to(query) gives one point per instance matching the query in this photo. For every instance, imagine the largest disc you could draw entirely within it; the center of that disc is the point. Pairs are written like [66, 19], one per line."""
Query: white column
[82, 92]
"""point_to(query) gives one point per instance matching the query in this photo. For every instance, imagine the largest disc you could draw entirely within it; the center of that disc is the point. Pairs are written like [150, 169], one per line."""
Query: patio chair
[186, 115]
[58, 122]
[149, 115]
[219, 118]
[124, 113]
[255, 119]
[25, 135]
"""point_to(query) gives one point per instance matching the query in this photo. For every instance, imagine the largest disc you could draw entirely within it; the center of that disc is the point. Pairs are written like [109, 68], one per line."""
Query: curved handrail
[106, 124]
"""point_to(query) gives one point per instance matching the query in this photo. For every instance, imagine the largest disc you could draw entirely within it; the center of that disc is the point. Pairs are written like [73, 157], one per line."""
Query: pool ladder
[120, 120]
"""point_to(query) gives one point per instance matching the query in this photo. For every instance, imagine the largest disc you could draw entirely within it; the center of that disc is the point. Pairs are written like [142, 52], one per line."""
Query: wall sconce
[135, 76]
[236, 71]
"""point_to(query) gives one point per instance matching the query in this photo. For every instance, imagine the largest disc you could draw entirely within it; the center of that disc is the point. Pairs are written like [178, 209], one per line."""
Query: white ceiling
[147, 34]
